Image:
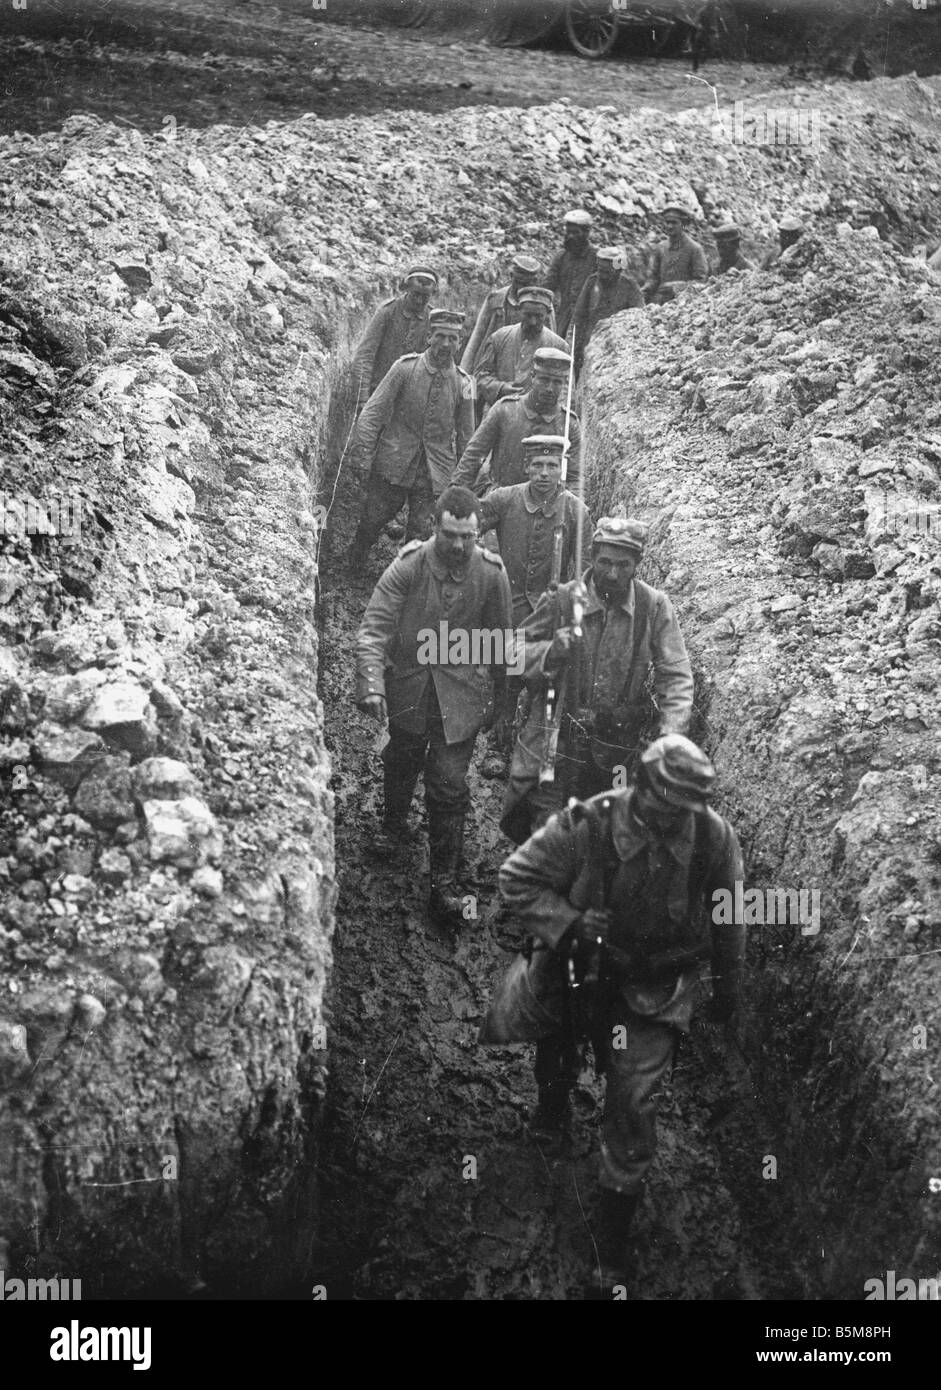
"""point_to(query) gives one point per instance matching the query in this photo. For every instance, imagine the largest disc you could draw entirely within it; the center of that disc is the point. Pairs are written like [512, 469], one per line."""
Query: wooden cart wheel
[592, 27]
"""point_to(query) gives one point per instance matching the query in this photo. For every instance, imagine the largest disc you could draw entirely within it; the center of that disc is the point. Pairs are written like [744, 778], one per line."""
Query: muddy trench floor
[433, 1186]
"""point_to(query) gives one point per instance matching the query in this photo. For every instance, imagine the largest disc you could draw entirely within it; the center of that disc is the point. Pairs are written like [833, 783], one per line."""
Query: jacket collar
[548, 508]
[442, 571]
[631, 838]
[431, 369]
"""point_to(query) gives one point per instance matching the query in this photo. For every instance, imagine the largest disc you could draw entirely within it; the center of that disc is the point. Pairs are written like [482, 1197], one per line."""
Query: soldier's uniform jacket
[656, 891]
[499, 310]
[506, 362]
[501, 433]
[598, 301]
[390, 334]
[567, 274]
[619, 646]
[686, 262]
[417, 407]
[418, 591]
[738, 262]
[525, 528]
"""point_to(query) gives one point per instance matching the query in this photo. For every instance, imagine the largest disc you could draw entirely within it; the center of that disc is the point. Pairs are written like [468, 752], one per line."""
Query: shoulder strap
[641, 618]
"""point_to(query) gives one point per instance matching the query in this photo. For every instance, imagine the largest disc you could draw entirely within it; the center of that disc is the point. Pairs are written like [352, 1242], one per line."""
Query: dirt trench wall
[166, 849]
[772, 428]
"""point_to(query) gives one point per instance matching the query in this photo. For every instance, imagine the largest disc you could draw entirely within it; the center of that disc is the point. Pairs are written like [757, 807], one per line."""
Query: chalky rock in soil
[813, 671]
[171, 315]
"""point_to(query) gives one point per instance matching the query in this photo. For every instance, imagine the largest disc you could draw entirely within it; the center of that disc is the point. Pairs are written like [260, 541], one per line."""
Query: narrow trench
[431, 1186]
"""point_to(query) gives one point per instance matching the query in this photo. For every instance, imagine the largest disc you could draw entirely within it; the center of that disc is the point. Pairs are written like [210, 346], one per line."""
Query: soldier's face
[546, 390]
[418, 297]
[521, 278]
[660, 815]
[607, 272]
[672, 224]
[613, 568]
[575, 238]
[533, 319]
[455, 537]
[727, 247]
[544, 475]
[443, 344]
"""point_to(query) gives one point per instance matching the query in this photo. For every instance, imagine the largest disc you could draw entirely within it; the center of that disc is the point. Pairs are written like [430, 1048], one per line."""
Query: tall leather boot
[616, 1214]
[395, 835]
[446, 840]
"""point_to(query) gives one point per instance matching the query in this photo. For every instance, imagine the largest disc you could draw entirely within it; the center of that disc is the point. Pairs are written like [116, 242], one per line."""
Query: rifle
[556, 688]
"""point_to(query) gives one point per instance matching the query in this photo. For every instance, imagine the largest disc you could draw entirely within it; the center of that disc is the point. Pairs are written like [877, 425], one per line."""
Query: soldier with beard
[506, 363]
[571, 267]
[507, 423]
[630, 633]
[422, 665]
[501, 308]
[412, 432]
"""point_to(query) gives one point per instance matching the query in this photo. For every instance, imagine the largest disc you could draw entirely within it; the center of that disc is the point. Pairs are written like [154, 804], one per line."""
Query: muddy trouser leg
[421, 505]
[383, 501]
[635, 1077]
[402, 760]
[447, 797]
[507, 711]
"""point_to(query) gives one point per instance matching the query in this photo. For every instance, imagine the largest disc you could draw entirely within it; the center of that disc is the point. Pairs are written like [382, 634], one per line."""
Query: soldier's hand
[561, 646]
[375, 707]
[592, 925]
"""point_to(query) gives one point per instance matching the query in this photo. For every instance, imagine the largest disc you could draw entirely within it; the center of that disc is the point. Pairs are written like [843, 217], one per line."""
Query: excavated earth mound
[782, 434]
[175, 314]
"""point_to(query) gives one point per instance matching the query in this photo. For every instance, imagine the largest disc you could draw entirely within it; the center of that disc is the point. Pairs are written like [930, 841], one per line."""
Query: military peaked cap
[619, 530]
[679, 772]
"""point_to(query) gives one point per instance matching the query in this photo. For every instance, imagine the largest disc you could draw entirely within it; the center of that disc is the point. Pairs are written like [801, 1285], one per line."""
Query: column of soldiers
[588, 699]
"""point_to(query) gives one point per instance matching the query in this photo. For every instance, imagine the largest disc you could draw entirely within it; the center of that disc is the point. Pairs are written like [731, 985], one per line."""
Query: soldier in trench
[612, 892]
[507, 423]
[506, 364]
[676, 260]
[609, 290]
[436, 694]
[526, 519]
[790, 231]
[729, 247]
[400, 325]
[630, 641]
[411, 434]
[571, 267]
[501, 309]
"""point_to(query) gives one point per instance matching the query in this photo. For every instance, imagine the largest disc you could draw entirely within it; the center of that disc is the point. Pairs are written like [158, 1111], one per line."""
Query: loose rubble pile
[783, 434]
[173, 314]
